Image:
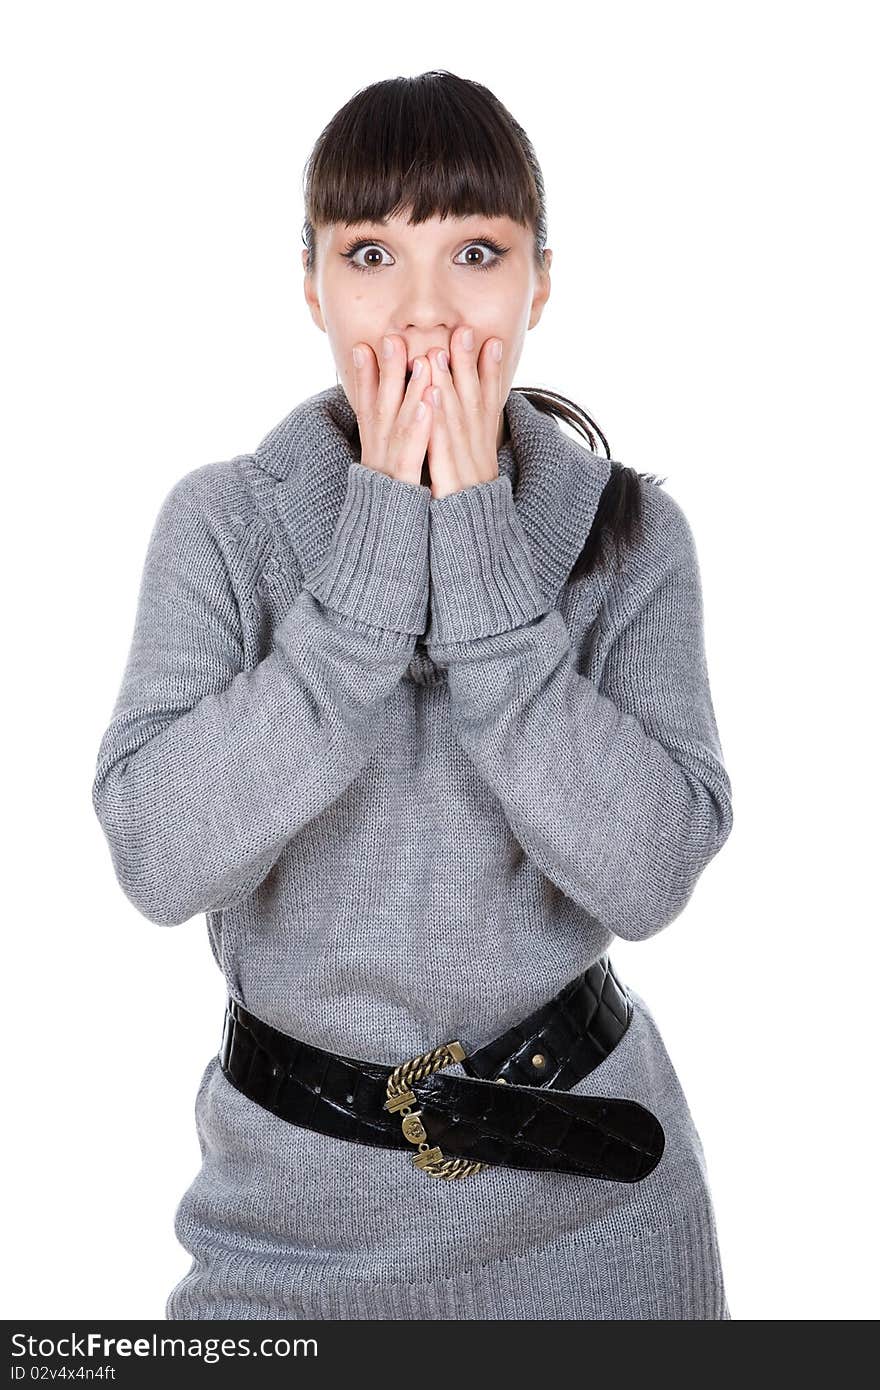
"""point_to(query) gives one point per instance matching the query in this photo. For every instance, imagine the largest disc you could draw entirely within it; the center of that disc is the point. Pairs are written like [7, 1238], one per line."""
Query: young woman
[417, 713]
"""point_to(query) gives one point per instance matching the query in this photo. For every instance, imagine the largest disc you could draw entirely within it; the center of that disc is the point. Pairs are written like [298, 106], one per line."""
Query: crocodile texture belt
[461, 1124]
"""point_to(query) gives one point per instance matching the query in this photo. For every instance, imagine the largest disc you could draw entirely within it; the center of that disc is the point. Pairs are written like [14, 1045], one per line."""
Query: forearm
[208, 769]
[615, 788]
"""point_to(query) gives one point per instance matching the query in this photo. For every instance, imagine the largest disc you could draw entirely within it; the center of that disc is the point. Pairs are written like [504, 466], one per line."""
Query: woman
[417, 712]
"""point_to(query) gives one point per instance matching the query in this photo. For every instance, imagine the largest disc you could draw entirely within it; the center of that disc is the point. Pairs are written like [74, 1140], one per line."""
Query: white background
[710, 171]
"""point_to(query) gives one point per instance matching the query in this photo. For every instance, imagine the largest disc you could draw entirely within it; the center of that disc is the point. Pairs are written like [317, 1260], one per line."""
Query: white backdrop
[714, 306]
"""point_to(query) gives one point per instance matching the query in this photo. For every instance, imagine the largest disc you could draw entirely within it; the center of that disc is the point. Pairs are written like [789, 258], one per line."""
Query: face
[422, 282]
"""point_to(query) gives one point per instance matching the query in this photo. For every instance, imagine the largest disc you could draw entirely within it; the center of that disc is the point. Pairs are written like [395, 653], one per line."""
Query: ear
[542, 289]
[311, 295]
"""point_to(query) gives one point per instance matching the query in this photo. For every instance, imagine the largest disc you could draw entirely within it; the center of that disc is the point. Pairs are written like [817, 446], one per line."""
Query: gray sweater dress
[417, 780]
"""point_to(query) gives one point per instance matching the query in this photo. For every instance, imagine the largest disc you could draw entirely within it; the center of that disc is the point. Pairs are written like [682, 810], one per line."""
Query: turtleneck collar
[556, 481]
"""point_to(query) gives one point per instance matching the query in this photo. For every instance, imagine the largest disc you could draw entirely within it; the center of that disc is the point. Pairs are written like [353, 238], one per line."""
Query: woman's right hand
[394, 440]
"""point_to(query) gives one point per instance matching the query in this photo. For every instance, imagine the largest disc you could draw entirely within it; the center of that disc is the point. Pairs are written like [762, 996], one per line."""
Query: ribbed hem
[482, 577]
[375, 569]
[672, 1274]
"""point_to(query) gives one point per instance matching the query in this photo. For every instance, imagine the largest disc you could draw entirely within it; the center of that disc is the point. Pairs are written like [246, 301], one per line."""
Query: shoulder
[210, 517]
[635, 523]
[666, 530]
[213, 494]
[661, 551]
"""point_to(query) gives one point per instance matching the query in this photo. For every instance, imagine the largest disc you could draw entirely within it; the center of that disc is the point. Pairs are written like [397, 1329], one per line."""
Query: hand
[394, 436]
[462, 447]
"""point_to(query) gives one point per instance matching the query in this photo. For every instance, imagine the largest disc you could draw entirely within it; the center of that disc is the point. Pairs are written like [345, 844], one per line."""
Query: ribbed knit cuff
[482, 577]
[376, 569]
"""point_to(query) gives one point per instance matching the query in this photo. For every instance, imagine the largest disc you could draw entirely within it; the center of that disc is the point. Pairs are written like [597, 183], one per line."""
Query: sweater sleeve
[616, 790]
[207, 769]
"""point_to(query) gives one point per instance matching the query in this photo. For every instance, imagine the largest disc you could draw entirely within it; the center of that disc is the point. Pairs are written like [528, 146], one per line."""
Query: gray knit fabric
[418, 780]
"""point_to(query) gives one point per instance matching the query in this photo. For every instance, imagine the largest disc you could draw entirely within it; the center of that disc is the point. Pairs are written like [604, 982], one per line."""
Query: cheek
[507, 326]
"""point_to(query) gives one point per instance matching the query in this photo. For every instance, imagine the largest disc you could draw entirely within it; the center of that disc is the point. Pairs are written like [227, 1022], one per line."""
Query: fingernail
[467, 338]
[436, 397]
[358, 356]
[417, 367]
[497, 350]
[387, 348]
[442, 361]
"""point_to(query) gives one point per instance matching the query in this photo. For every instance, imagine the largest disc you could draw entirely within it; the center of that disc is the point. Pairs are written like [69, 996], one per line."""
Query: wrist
[375, 569]
[482, 577]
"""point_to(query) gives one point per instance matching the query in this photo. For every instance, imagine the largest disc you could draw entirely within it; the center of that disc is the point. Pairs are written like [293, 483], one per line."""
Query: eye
[373, 250]
[498, 253]
[352, 249]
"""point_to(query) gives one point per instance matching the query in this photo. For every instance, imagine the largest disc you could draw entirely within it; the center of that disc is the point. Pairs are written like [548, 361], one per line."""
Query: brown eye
[371, 248]
[479, 248]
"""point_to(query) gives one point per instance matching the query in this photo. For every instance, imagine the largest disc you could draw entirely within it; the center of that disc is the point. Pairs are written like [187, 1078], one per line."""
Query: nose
[425, 312]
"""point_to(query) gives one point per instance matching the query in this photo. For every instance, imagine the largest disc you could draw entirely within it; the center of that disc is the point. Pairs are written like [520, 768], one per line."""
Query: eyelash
[355, 246]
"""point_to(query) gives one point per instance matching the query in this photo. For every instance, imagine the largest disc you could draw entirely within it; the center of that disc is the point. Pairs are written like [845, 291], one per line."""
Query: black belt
[460, 1124]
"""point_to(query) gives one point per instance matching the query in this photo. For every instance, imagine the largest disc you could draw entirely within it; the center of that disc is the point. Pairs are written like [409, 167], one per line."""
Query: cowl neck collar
[556, 481]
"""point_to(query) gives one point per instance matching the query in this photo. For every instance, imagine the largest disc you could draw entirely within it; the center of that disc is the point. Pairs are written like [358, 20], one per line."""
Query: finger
[392, 440]
[379, 382]
[455, 426]
[409, 439]
[366, 381]
[392, 374]
[465, 374]
[490, 374]
[441, 457]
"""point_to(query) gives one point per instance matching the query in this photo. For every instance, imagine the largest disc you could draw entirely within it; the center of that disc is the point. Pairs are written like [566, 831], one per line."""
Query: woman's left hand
[462, 448]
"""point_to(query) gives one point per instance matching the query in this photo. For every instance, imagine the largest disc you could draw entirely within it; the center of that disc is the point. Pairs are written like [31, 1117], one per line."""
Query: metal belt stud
[401, 1101]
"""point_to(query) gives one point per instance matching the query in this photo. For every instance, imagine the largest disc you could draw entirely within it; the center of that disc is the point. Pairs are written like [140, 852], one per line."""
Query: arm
[207, 769]
[615, 790]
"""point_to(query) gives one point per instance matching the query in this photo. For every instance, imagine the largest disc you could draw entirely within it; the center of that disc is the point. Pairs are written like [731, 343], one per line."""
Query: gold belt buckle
[401, 1100]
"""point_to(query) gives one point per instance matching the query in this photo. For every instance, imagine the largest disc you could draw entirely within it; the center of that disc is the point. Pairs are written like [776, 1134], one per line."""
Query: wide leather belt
[461, 1124]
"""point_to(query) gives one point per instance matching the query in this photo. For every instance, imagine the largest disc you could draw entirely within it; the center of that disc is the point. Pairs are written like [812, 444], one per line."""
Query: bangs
[436, 148]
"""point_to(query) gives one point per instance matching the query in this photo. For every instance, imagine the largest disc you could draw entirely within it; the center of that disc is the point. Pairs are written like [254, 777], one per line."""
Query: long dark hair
[442, 145]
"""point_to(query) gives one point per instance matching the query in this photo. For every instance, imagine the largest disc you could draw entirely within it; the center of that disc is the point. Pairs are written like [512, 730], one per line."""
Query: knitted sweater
[417, 780]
